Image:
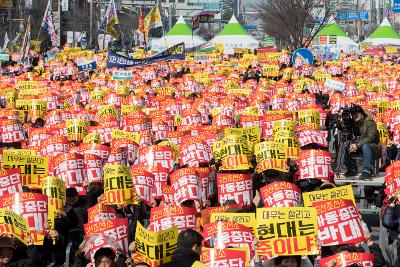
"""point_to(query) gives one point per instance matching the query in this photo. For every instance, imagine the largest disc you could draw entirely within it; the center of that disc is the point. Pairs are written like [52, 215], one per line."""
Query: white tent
[180, 33]
[385, 34]
[332, 38]
[234, 36]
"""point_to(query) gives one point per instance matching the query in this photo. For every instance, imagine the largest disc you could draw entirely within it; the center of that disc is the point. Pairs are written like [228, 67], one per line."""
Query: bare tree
[294, 23]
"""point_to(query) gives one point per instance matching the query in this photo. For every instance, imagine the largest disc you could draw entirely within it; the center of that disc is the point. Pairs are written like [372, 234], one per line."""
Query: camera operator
[365, 141]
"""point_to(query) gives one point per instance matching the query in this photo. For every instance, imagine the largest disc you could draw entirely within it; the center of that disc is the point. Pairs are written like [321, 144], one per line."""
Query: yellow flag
[153, 19]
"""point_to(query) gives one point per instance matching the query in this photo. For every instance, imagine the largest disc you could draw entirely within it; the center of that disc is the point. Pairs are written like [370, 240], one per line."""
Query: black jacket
[182, 258]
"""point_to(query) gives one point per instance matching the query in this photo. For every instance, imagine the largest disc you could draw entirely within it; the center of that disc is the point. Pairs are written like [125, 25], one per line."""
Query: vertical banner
[338, 222]
[55, 189]
[10, 181]
[33, 168]
[213, 257]
[286, 231]
[118, 185]
[117, 229]
[342, 192]
[281, 194]
[156, 247]
[162, 218]
[235, 186]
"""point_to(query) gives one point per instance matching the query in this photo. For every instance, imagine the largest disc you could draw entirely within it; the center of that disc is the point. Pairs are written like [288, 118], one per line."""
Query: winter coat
[369, 135]
[182, 258]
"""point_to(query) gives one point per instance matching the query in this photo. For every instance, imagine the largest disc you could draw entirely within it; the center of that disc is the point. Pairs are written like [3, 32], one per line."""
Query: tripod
[341, 152]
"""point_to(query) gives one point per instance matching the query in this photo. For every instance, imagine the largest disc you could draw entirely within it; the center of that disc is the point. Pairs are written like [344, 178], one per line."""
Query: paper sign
[345, 259]
[118, 185]
[334, 85]
[342, 192]
[314, 164]
[213, 257]
[162, 218]
[246, 219]
[286, 231]
[235, 186]
[55, 189]
[156, 246]
[10, 181]
[281, 194]
[338, 222]
[15, 225]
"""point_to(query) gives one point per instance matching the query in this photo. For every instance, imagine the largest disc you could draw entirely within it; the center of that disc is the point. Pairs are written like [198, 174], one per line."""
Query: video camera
[343, 121]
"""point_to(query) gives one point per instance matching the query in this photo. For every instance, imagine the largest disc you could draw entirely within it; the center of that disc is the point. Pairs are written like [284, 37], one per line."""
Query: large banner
[176, 52]
[117, 229]
[213, 257]
[156, 247]
[286, 231]
[33, 168]
[338, 222]
[162, 218]
[281, 194]
[342, 192]
[345, 259]
[235, 186]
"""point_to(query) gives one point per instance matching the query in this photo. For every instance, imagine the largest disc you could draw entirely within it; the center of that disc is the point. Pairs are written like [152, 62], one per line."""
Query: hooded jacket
[368, 135]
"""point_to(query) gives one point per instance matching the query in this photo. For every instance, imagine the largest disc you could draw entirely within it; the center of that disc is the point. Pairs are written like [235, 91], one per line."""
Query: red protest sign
[224, 234]
[93, 168]
[307, 137]
[194, 151]
[117, 229]
[314, 164]
[156, 155]
[185, 185]
[345, 259]
[143, 182]
[392, 178]
[96, 149]
[213, 257]
[32, 206]
[70, 168]
[338, 222]
[167, 195]
[162, 218]
[281, 194]
[160, 176]
[101, 212]
[10, 181]
[118, 153]
[54, 146]
[235, 186]
[11, 131]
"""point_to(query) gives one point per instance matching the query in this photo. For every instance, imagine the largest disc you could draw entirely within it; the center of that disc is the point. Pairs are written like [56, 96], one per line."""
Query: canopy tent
[180, 33]
[384, 35]
[234, 36]
[332, 37]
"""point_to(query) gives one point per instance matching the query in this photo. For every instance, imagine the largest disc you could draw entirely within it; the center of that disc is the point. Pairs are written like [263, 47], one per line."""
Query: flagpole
[40, 27]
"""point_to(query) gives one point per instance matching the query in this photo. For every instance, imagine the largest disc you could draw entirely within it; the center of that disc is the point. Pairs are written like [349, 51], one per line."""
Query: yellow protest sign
[286, 125]
[271, 70]
[107, 112]
[37, 108]
[239, 91]
[118, 185]
[126, 109]
[383, 132]
[309, 116]
[290, 141]
[118, 134]
[164, 91]
[33, 168]
[234, 153]
[77, 129]
[26, 85]
[21, 152]
[270, 155]
[92, 138]
[342, 192]
[156, 247]
[286, 231]
[55, 189]
[246, 219]
[15, 225]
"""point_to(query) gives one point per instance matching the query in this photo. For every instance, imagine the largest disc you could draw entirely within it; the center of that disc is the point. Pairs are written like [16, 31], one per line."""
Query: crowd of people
[232, 161]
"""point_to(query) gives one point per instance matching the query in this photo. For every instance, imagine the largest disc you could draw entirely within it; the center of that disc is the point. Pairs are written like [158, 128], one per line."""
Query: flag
[6, 40]
[109, 20]
[24, 55]
[140, 30]
[47, 25]
[82, 39]
[152, 20]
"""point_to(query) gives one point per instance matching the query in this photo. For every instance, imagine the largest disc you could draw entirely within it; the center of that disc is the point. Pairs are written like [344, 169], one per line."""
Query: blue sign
[353, 15]
[396, 6]
[87, 66]
[305, 54]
